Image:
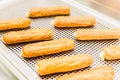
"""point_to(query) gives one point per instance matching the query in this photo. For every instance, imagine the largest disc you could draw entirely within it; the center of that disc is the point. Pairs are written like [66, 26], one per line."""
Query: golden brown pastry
[110, 53]
[99, 73]
[27, 36]
[48, 11]
[63, 64]
[74, 21]
[97, 34]
[14, 23]
[47, 47]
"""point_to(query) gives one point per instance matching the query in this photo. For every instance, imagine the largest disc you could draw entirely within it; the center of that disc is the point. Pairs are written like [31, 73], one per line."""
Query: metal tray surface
[81, 47]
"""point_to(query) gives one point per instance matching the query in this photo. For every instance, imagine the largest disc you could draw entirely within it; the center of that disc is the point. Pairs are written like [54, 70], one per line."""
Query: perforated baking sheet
[81, 47]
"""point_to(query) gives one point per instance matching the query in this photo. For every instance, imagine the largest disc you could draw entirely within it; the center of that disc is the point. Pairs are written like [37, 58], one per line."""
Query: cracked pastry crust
[14, 23]
[48, 11]
[97, 34]
[99, 73]
[111, 53]
[74, 21]
[47, 47]
[27, 35]
[63, 64]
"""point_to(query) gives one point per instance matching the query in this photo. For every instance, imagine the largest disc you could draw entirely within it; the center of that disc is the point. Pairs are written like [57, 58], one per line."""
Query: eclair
[14, 37]
[47, 47]
[14, 23]
[99, 73]
[48, 11]
[74, 21]
[97, 34]
[110, 53]
[63, 64]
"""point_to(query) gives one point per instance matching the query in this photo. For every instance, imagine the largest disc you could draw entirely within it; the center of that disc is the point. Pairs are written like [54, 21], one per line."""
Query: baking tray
[24, 69]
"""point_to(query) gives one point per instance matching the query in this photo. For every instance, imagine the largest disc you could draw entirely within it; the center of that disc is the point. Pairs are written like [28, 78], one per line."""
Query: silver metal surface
[108, 7]
[26, 67]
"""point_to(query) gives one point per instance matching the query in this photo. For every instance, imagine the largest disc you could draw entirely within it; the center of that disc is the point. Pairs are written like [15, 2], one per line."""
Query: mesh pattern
[87, 47]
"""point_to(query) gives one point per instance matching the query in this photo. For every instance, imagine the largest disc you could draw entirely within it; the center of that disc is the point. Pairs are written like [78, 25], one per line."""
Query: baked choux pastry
[27, 35]
[63, 64]
[110, 53]
[74, 21]
[47, 47]
[48, 11]
[97, 34]
[14, 23]
[99, 73]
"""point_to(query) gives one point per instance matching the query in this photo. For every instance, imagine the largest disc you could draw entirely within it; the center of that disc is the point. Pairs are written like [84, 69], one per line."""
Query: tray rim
[21, 71]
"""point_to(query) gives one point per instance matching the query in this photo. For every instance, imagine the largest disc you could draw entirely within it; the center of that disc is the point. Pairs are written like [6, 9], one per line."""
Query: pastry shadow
[48, 16]
[103, 41]
[73, 28]
[112, 61]
[25, 43]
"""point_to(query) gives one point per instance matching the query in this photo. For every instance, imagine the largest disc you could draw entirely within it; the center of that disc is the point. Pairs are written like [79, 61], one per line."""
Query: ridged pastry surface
[111, 52]
[14, 23]
[47, 47]
[97, 34]
[74, 21]
[48, 11]
[27, 35]
[63, 64]
[99, 73]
